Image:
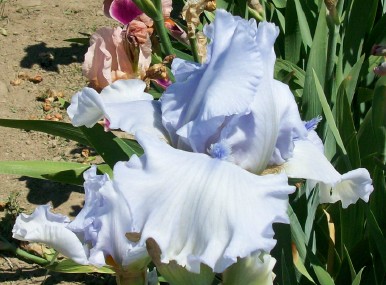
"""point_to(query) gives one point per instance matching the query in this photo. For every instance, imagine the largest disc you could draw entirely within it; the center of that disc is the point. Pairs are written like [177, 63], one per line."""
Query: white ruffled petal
[124, 103]
[137, 115]
[123, 91]
[354, 185]
[104, 221]
[51, 229]
[86, 108]
[205, 210]
[309, 162]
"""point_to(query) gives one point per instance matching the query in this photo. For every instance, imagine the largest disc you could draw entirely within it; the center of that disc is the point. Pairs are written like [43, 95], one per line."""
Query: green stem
[158, 5]
[193, 46]
[162, 33]
[331, 54]
[5, 245]
[35, 259]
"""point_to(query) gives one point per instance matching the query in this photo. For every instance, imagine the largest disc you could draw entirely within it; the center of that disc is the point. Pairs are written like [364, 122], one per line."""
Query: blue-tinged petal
[182, 69]
[124, 103]
[290, 123]
[205, 210]
[309, 162]
[225, 85]
[104, 221]
[253, 136]
[51, 229]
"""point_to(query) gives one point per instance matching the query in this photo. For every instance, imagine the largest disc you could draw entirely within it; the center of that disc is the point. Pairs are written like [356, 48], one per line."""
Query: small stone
[36, 79]
[16, 82]
[58, 116]
[3, 32]
[47, 107]
[100, 13]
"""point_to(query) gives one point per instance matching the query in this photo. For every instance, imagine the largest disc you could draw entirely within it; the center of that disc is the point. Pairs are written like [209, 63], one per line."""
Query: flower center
[221, 150]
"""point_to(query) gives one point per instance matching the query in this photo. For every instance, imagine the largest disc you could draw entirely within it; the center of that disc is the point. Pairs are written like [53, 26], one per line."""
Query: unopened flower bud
[332, 12]
[255, 5]
[330, 4]
[378, 50]
[211, 6]
[381, 69]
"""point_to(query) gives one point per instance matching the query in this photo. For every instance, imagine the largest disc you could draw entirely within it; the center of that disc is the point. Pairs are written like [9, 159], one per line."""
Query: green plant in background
[324, 53]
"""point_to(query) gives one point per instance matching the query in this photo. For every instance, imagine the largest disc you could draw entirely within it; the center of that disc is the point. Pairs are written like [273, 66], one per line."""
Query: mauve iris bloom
[124, 11]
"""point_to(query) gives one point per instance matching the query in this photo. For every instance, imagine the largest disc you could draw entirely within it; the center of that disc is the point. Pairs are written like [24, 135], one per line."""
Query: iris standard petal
[51, 229]
[253, 136]
[214, 91]
[309, 162]
[290, 123]
[205, 210]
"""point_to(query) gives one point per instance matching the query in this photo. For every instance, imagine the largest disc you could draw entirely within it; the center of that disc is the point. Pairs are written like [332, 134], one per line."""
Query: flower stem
[162, 33]
[193, 45]
[332, 41]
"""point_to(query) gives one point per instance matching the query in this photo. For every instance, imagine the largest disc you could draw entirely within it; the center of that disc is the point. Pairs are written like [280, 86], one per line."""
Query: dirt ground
[36, 62]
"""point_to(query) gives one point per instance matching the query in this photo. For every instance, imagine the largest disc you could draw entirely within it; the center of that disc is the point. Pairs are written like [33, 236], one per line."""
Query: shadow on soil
[50, 58]
[44, 191]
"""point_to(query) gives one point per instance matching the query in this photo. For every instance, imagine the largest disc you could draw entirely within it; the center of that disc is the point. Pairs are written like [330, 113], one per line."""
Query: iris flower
[202, 190]
[230, 108]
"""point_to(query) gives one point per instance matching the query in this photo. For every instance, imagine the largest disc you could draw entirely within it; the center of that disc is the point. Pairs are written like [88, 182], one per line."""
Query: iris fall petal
[207, 211]
[124, 103]
[309, 162]
[51, 229]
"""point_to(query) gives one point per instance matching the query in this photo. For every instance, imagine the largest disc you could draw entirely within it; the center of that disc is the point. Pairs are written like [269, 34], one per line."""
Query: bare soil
[35, 63]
